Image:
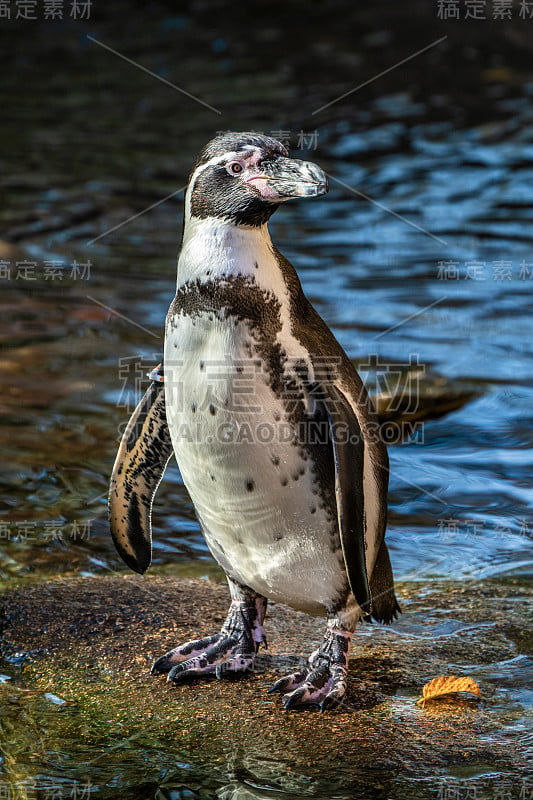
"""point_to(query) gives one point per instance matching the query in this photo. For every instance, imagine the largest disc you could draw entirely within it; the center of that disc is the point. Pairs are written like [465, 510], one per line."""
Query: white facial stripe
[198, 171]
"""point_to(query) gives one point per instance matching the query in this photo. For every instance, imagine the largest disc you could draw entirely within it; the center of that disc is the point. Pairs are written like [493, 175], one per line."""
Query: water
[394, 297]
[433, 267]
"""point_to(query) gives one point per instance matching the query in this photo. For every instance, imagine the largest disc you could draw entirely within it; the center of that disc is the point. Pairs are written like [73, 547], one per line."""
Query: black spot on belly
[212, 410]
[312, 509]
[212, 477]
[202, 365]
[193, 408]
[259, 311]
[256, 265]
[277, 537]
[295, 476]
[275, 460]
[284, 481]
[250, 485]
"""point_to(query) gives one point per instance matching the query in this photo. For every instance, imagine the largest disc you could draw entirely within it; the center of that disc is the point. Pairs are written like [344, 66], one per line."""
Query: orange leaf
[448, 684]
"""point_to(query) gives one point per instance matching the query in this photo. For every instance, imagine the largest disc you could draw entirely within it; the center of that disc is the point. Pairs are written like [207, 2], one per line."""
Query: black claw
[187, 676]
[282, 683]
[328, 670]
[293, 699]
[208, 656]
[279, 686]
[178, 672]
[160, 665]
[328, 703]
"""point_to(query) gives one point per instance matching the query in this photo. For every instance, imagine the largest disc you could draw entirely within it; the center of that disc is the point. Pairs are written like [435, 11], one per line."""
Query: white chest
[252, 483]
[253, 489]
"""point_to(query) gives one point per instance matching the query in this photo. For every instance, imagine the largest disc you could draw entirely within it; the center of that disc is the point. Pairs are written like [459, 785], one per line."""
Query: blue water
[421, 254]
[452, 295]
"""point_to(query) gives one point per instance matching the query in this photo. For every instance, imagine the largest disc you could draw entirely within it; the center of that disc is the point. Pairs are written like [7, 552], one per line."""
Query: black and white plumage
[273, 431]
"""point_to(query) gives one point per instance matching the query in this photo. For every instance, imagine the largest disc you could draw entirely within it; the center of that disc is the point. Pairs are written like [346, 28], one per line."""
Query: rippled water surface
[454, 298]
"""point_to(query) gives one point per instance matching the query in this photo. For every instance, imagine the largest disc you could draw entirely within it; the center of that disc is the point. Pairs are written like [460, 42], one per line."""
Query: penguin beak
[283, 178]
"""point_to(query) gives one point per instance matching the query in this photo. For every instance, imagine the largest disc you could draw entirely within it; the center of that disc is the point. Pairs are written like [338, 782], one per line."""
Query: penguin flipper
[143, 454]
[348, 453]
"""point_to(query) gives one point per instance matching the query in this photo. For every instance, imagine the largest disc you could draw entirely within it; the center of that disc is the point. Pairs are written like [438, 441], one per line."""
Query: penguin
[275, 436]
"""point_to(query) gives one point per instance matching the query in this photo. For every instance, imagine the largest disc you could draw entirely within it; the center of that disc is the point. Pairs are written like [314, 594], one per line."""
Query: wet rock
[90, 642]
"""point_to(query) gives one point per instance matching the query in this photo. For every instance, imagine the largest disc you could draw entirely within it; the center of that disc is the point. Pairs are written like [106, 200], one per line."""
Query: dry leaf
[448, 684]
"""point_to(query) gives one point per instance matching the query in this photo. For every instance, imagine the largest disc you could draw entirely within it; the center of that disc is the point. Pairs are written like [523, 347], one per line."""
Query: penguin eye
[234, 167]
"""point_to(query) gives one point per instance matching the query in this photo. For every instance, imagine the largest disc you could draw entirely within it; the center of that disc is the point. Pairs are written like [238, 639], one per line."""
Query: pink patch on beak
[263, 188]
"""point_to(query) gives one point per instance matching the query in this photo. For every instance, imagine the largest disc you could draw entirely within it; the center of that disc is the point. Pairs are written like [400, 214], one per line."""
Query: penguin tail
[385, 606]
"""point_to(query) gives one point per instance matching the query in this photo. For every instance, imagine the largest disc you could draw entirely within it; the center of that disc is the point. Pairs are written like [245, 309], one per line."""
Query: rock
[90, 641]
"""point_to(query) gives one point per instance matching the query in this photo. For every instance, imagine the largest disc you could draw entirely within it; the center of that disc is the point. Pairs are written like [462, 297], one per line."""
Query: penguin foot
[324, 682]
[231, 651]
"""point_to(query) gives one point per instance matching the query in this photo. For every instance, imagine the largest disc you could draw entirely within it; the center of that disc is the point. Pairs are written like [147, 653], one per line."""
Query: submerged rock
[412, 396]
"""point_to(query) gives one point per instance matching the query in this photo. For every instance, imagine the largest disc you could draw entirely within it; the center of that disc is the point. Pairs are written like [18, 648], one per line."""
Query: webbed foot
[323, 683]
[229, 652]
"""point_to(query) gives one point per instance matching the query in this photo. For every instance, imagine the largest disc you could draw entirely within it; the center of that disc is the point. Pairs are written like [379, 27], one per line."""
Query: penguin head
[243, 177]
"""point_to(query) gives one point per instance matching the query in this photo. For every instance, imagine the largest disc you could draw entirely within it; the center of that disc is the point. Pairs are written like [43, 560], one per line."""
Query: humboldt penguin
[274, 434]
